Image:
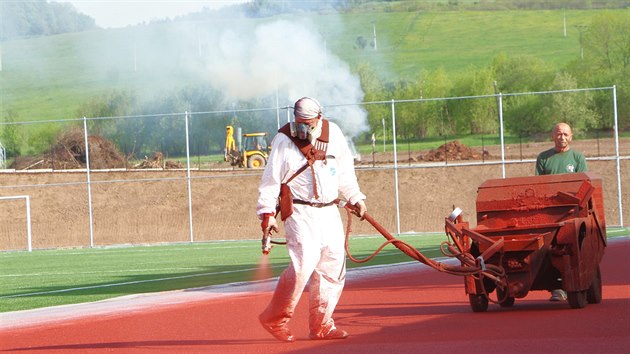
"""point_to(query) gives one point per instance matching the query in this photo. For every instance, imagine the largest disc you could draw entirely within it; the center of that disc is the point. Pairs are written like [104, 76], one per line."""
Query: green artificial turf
[55, 277]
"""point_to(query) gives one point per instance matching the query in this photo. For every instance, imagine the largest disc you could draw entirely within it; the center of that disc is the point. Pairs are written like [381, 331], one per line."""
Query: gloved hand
[361, 208]
[268, 224]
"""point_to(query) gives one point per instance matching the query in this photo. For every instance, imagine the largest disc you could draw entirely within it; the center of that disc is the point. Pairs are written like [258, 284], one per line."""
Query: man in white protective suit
[309, 167]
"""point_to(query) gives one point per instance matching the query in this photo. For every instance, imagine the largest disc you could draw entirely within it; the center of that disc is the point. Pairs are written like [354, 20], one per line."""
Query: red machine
[533, 233]
[544, 232]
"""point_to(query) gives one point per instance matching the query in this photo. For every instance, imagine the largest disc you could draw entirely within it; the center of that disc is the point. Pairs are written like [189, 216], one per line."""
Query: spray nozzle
[266, 244]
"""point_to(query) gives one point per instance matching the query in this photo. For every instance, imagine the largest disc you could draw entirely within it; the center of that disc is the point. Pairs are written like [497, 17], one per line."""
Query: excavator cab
[250, 152]
[256, 151]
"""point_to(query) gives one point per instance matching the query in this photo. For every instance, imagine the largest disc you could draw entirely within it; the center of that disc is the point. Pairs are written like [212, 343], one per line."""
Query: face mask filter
[303, 130]
[300, 130]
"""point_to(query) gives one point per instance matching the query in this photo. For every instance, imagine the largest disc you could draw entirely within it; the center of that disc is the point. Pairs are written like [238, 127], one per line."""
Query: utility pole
[374, 29]
[581, 29]
[564, 24]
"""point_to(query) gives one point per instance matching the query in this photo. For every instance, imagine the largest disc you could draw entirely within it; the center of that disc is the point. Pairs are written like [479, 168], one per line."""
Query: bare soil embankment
[152, 206]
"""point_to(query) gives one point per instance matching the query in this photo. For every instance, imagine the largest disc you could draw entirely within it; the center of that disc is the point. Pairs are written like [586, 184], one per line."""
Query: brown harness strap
[305, 146]
[312, 153]
[297, 173]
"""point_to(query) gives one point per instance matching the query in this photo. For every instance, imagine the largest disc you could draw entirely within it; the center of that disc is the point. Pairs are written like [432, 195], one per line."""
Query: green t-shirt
[551, 162]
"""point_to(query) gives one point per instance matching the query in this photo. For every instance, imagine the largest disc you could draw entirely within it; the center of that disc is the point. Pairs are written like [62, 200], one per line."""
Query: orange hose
[468, 267]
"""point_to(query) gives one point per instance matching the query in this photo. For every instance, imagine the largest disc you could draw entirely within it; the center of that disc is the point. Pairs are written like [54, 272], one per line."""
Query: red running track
[406, 309]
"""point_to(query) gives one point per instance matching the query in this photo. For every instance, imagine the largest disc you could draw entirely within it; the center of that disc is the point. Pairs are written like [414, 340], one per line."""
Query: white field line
[129, 283]
[97, 272]
[390, 253]
[130, 251]
[142, 302]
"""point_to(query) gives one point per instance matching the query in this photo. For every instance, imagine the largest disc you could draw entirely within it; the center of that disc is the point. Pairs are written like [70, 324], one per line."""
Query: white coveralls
[315, 236]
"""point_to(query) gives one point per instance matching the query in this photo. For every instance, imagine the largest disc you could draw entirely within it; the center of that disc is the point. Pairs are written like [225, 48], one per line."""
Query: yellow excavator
[252, 153]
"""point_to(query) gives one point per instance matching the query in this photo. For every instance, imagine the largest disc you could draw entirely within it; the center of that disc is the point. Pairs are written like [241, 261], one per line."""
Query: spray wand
[266, 243]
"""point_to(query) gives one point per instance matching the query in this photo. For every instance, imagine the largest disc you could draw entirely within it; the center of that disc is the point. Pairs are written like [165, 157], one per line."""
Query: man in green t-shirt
[560, 159]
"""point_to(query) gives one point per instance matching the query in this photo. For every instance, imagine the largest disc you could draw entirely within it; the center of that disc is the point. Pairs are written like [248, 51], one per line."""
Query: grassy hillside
[50, 77]
[410, 42]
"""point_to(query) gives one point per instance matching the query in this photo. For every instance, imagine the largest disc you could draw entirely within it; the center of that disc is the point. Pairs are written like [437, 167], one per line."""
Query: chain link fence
[161, 178]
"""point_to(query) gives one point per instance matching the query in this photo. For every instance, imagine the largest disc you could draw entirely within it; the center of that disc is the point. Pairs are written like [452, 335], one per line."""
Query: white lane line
[127, 283]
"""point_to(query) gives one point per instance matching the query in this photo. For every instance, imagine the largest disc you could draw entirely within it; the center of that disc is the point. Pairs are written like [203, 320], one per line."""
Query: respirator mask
[304, 131]
[301, 130]
[306, 108]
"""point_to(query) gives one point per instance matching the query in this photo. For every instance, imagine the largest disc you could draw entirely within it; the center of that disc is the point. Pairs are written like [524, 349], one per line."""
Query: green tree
[42, 138]
[10, 137]
[606, 62]
[475, 115]
[607, 42]
[436, 116]
[521, 73]
[112, 104]
[375, 91]
[40, 18]
[407, 113]
[572, 107]
[523, 114]
[159, 124]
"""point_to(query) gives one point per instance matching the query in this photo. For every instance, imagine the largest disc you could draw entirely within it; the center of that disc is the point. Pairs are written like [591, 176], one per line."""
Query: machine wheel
[594, 293]
[478, 303]
[508, 301]
[577, 299]
[256, 161]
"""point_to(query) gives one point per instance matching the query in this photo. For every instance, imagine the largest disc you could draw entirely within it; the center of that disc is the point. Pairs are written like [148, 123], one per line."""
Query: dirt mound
[453, 151]
[69, 153]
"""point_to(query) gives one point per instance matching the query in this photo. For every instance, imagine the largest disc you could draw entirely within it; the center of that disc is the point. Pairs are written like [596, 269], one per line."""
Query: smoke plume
[289, 58]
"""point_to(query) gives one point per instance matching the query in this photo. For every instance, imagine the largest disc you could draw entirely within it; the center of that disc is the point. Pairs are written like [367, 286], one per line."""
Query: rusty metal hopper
[546, 232]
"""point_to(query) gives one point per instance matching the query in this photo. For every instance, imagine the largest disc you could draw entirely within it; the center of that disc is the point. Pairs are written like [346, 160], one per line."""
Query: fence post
[500, 103]
[89, 180]
[395, 167]
[190, 210]
[614, 90]
[3, 157]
